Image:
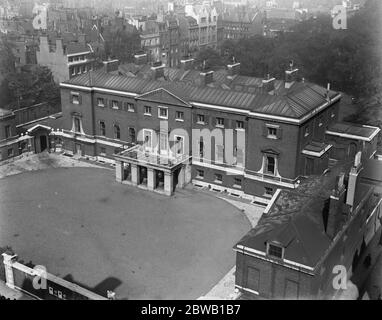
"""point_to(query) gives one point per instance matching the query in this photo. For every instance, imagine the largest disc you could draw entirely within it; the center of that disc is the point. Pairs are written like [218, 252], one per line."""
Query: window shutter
[279, 133]
[265, 130]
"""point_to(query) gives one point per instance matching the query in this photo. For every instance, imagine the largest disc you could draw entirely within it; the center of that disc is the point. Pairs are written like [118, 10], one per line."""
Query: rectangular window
[147, 139]
[114, 104]
[275, 251]
[272, 132]
[8, 132]
[130, 107]
[200, 174]
[147, 111]
[162, 113]
[220, 122]
[50, 290]
[83, 69]
[218, 178]
[102, 128]
[75, 98]
[73, 73]
[179, 116]
[101, 102]
[163, 142]
[10, 153]
[239, 124]
[77, 125]
[320, 121]
[117, 132]
[103, 151]
[200, 118]
[237, 182]
[132, 135]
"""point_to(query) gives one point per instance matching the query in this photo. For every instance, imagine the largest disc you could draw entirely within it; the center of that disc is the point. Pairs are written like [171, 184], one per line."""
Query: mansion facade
[162, 135]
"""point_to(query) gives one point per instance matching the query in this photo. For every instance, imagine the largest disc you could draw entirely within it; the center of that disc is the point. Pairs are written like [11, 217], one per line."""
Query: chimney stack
[290, 75]
[157, 70]
[187, 64]
[269, 85]
[336, 204]
[353, 175]
[110, 65]
[233, 69]
[206, 77]
[140, 58]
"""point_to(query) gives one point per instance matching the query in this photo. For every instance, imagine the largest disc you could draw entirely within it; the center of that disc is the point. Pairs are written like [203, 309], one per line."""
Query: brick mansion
[282, 129]
[145, 124]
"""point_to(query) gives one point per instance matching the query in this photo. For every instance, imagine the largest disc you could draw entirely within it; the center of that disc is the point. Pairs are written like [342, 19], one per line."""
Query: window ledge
[131, 111]
[272, 137]
[219, 182]
[179, 120]
[219, 126]
[161, 117]
[199, 122]
[147, 114]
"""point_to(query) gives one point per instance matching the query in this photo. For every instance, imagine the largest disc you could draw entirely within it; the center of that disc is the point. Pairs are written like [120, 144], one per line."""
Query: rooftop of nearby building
[296, 218]
[5, 112]
[347, 129]
[296, 103]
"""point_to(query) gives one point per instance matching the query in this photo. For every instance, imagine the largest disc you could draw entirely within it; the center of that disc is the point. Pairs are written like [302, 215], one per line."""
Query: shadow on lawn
[110, 283]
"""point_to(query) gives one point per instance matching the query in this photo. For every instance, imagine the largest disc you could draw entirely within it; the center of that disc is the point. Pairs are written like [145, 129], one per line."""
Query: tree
[209, 58]
[122, 44]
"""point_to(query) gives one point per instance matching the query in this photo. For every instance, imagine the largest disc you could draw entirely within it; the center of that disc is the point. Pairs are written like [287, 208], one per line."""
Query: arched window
[117, 131]
[132, 135]
[271, 165]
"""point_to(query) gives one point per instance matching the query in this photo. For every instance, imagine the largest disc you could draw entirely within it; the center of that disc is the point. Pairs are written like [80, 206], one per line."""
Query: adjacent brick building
[306, 236]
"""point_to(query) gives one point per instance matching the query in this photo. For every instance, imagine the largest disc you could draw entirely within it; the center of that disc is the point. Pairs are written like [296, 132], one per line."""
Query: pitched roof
[295, 220]
[298, 101]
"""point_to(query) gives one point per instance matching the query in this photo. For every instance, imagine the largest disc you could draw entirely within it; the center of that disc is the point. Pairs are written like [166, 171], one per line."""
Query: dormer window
[275, 251]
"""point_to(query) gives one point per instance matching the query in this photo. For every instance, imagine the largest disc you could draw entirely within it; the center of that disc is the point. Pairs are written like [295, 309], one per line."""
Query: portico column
[118, 170]
[8, 262]
[150, 179]
[181, 177]
[168, 183]
[134, 174]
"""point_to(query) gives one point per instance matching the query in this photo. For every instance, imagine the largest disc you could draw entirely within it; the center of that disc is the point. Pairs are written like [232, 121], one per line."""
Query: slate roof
[295, 220]
[296, 103]
[73, 48]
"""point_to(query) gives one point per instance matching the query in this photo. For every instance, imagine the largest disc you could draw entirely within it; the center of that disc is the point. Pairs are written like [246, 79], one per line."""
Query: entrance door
[43, 143]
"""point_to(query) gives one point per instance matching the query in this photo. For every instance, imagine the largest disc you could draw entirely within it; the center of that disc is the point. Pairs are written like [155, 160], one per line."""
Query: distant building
[241, 23]
[65, 60]
[206, 17]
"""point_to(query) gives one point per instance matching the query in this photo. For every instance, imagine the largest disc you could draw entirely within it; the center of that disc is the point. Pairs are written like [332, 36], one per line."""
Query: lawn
[81, 224]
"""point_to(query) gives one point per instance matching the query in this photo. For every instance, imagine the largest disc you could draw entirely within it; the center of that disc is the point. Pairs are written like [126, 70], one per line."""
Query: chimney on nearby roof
[233, 69]
[336, 206]
[110, 65]
[157, 70]
[206, 77]
[269, 85]
[187, 63]
[353, 175]
[140, 58]
[327, 94]
[290, 75]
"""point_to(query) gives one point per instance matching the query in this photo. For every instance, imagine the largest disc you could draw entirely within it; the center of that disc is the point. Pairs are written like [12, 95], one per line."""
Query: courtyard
[85, 227]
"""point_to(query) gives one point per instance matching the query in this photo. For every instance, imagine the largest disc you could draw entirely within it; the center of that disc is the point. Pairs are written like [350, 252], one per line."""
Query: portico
[152, 171]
